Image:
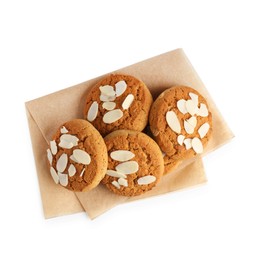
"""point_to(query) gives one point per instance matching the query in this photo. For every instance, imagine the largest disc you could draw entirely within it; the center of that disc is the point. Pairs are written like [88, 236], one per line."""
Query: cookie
[118, 102]
[77, 156]
[181, 124]
[135, 163]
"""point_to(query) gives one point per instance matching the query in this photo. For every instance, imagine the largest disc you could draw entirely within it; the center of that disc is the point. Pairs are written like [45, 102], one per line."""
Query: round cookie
[181, 124]
[118, 102]
[77, 156]
[135, 163]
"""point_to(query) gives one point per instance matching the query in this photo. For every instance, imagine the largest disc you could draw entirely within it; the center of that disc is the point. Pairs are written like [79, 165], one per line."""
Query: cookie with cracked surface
[118, 102]
[77, 156]
[181, 124]
[135, 163]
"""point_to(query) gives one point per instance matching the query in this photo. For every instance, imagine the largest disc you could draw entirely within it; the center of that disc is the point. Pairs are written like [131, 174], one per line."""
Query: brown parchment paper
[47, 113]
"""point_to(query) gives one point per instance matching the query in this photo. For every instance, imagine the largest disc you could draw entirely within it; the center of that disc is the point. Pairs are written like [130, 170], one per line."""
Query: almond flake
[173, 122]
[146, 180]
[203, 111]
[120, 87]
[105, 98]
[53, 146]
[109, 105]
[116, 184]
[63, 178]
[112, 116]
[192, 121]
[73, 158]
[54, 175]
[92, 112]
[187, 143]
[189, 128]
[116, 174]
[191, 107]
[128, 101]
[194, 98]
[197, 145]
[123, 182]
[65, 144]
[82, 172]
[70, 139]
[203, 130]
[128, 167]
[49, 156]
[64, 130]
[107, 90]
[72, 170]
[181, 104]
[180, 139]
[122, 155]
[81, 156]
[62, 163]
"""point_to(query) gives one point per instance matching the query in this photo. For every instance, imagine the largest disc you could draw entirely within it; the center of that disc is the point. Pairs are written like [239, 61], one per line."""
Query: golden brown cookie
[135, 163]
[118, 102]
[181, 124]
[77, 156]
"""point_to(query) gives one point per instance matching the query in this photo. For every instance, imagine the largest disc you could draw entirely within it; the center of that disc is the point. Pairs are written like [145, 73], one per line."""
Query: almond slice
[128, 101]
[81, 156]
[181, 104]
[54, 175]
[65, 144]
[197, 145]
[63, 178]
[72, 170]
[203, 111]
[105, 98]
[70, 139]
[116, 184]
[49, 156]
[187, 143]
[173, 122]
[116, 174]
[180, 139]
[82, 172]
[62, 163]
[112, 116]
[203, 130]
[122, 155]
[146, 180]
[188, 127]
[123, 182]
[120, 87]
[92, 112]
[194, 98]
[191, 107]
[128, 167]
[64, 130]
[107, 90]
[73, 158]
[109, 105]
[53, 146]
[192, 121]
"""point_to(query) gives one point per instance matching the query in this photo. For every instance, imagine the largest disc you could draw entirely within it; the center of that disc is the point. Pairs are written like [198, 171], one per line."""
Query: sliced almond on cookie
[112, 116]
[197, 145]
[122, 155]
[187, 143]
[173, 122]
[81, 156]
[120, 87]
[49, 156]
[123, 182]
[116, 184]
[146, 180]
[72, 170]
[54, 175]
[191, 107]
[180, 139]
[128, 101]
[128, 167]
[109, 105]
[64, 130]
[105, 98]
[93, 111]
[63, 178]
[194, 98]
[203, 111]
[181, 104]
[116, 174]
[53, 146]
[82, 172]
[188, 127]
[69, 139]
[62, 163]
[65, 144]
[107, 90]
[203, 130]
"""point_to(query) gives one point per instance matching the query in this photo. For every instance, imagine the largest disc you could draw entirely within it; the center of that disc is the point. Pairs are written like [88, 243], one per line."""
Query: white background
[49, 45]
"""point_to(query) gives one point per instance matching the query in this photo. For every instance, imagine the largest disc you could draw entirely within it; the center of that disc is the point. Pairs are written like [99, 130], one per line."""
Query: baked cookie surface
[118, 102]
[181, 124]
[135, 163]
[77, 156]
